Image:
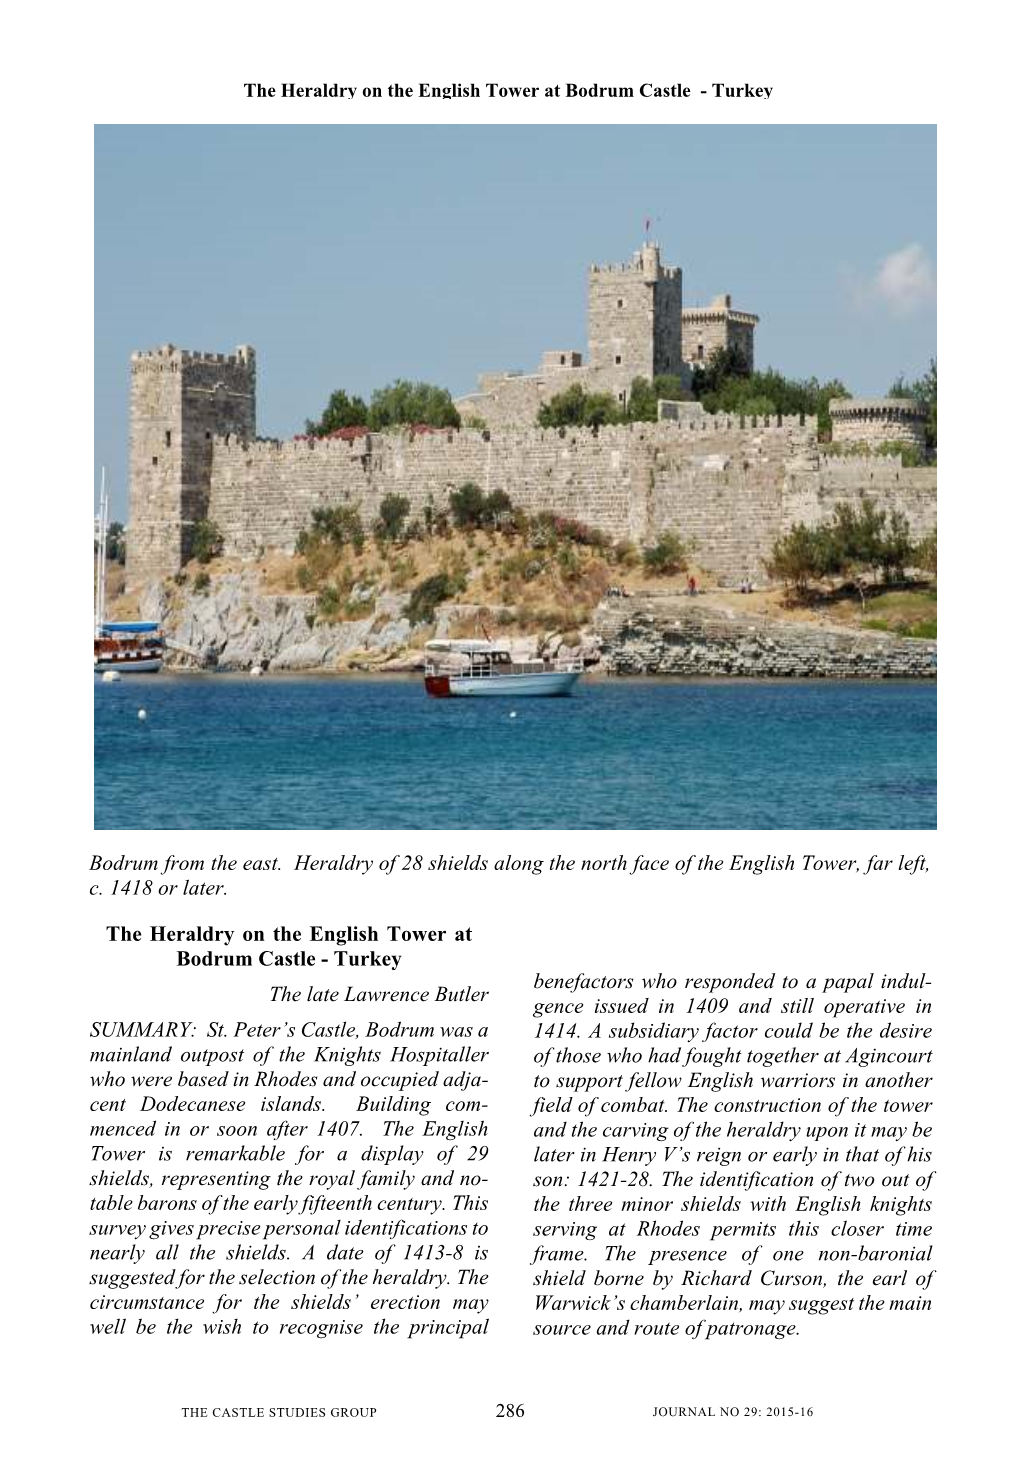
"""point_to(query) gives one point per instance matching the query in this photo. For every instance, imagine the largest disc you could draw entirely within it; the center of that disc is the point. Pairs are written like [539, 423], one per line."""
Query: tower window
[619, 305]
[618, 360]
[168, 437]
[155, 462]
[208, 436]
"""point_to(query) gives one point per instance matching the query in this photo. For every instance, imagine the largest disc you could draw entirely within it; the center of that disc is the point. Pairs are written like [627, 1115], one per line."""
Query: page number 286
[509, 1411]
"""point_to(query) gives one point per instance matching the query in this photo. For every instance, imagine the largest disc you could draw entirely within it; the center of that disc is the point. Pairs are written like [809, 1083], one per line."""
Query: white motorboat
[487, 669]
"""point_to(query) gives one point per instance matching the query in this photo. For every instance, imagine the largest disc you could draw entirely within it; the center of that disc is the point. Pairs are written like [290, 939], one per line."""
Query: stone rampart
[262, 493]
[730, 486]
[810, 497]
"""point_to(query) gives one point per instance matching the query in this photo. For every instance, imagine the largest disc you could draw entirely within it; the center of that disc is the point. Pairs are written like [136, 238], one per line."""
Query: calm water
[220, 752]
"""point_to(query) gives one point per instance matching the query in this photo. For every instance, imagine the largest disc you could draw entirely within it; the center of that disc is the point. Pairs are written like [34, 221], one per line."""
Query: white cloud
[903, 282]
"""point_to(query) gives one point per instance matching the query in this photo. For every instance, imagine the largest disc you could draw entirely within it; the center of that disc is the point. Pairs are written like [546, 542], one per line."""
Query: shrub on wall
[470, 508]
[206, 541]
[337, 526]
[393, 512]
[668, 555]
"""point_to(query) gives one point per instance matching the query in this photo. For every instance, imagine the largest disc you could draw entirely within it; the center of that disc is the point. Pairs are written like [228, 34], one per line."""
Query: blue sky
[349, 256]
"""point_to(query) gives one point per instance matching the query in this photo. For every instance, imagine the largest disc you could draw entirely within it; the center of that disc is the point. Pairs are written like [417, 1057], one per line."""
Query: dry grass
[528, 590]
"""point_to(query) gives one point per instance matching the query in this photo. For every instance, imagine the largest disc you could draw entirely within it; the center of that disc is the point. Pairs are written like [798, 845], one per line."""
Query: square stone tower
[717, 327]
[180, 402]
[634, 319]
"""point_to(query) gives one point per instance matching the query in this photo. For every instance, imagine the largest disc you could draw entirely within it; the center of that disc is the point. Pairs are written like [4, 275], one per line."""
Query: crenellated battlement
[731, 482]
[868, 421]
[162, 356]
[717, 422]
[872, 407]
[450, 443]
[624, 267]
[645, 262]
[634, 267]
[710, 313]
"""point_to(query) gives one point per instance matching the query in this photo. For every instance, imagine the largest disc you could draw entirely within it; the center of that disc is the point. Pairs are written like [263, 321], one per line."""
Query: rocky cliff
[234, 625]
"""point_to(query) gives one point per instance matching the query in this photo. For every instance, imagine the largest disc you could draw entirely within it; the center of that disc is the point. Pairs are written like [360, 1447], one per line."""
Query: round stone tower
[874, 420]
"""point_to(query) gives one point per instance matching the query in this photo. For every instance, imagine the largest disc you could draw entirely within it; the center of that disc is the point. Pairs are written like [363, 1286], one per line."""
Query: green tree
[499, 507]
[341, 411]
[470, 508]
[864, 540]
[642, 401]
[856, 542]
[898, 547]
[644, 396]
[926, 553]
[337, 526]
[671, 388]
[393, 512]
[467, 506]
[116, 543]
[725, 364]
[406, 402]
[794, 558]
[826, 393]
[668, 555]
[575, 407]
[925, 392]
[206, 541]
[724, 384]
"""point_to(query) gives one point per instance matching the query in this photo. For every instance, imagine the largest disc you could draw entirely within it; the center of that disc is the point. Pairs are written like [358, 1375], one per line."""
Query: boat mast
[100, 592]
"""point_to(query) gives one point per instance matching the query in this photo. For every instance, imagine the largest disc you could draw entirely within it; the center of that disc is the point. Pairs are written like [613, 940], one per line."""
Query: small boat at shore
[485, 669]
[128, 646]
[119, 645]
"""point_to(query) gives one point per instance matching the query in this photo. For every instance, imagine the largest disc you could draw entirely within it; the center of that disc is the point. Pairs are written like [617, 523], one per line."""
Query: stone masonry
[874, 420]
[717, 327]
[637, 326]
[731, 484]
[182, 402]
[634, 319]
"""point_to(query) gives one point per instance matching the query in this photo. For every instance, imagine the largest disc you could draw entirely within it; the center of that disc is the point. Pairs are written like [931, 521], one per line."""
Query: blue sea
[222, 752]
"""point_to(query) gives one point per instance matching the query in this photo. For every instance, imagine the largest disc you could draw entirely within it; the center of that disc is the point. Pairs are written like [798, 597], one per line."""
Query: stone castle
[732, 484]
[637, 326]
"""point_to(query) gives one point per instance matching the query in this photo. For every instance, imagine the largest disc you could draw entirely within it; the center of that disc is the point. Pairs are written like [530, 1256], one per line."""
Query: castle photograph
[683, 484]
